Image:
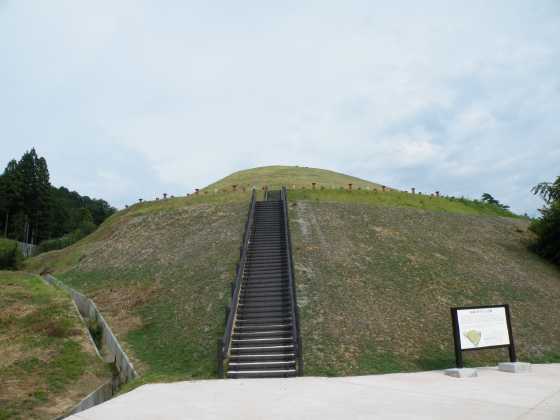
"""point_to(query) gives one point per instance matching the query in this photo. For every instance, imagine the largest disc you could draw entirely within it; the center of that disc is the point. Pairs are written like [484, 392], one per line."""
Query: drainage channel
[106, 345]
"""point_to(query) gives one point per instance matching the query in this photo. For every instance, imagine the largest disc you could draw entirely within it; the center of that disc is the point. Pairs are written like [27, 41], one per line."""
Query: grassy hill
[376, 274]
[294, 177]
[47, 362]
[160, 272]
[375, 284]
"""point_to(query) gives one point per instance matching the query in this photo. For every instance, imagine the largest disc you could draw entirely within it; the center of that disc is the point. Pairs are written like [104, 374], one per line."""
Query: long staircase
[262, 331]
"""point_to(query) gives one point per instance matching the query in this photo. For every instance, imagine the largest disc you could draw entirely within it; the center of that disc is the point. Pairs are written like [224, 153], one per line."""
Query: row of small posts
[234, 188]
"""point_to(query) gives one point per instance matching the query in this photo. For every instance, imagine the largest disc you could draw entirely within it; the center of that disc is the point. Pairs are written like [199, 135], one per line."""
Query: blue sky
[134, 98]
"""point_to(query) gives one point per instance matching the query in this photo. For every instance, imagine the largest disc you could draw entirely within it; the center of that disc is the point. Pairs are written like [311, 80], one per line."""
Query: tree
[547, 227]
[487, 198]
[31, 209]
[43, 200]
[35, 189]
[11, 199]
[549, 191]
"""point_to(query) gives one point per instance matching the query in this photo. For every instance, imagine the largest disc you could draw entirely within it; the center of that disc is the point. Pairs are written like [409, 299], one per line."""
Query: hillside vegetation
[160, 272]
[376, 273]
[376, 283]
[293, 177]
[33, 210]
[47, 362]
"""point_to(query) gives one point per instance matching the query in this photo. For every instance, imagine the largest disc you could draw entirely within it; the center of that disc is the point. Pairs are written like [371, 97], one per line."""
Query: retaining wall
[112, 350]
[103, 393]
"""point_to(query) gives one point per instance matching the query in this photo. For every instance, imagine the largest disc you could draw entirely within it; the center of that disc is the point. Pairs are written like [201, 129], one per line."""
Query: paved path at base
[426, 395]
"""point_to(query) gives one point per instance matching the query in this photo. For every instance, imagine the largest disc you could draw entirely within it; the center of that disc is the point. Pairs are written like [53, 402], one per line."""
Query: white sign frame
[482, 327]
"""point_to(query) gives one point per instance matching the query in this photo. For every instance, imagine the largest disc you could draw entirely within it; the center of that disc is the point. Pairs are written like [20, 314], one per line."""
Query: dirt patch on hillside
[119, 304]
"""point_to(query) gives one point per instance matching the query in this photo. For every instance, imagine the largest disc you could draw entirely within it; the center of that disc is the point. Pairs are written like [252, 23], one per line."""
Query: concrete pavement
[493, 395]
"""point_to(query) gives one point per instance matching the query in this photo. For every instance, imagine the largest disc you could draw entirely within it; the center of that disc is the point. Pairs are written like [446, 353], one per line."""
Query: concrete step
[262, 334]
[287, 326]
[276, 349]
[265, 321]
[257, 342]
[262, 374]
[261, 365]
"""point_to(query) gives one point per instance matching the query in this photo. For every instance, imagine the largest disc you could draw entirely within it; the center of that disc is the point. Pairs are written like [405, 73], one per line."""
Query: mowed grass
[294, 177]
[65, 259]
[160, 273]
[395, 198]
[47, 363]
[376, 284]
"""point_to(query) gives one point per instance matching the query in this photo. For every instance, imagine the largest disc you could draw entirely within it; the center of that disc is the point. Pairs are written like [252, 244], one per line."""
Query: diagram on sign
[473, 336]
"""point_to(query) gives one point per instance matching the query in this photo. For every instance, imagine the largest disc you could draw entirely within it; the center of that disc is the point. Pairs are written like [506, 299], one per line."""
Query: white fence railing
[27, 249]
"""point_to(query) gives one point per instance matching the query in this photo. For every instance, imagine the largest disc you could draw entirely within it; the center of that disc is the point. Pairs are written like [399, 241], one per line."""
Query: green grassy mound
[397, 199]
[376, 282]
[293, 177]
[47, 362]
[160, 273]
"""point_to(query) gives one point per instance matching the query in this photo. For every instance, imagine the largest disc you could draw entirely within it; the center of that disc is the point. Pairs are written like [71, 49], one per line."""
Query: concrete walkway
[427, 395]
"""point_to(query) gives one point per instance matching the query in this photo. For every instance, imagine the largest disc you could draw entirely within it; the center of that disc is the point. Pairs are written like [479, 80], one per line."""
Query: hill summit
[294, 177]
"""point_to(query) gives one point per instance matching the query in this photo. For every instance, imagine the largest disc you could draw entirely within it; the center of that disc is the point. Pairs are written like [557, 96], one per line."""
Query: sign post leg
[511, 348]
[457, 340]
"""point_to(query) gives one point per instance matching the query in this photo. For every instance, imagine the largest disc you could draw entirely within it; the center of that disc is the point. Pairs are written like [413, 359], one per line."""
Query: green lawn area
[290, 177]
[47, 363]
[400, 199]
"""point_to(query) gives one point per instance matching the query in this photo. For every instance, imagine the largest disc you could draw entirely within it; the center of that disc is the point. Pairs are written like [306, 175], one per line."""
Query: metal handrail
[225, 343]
[291, 286]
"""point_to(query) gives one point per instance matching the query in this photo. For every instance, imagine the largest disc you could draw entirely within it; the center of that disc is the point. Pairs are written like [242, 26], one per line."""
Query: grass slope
[294, 177]
[375, 283]
[160, 273]
[401, 199]
[47, 363]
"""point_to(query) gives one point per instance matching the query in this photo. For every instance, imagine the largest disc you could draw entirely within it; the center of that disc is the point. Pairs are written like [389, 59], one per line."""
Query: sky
[134, 98]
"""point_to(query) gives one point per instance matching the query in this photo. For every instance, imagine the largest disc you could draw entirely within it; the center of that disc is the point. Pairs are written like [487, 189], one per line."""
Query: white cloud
[453, 96]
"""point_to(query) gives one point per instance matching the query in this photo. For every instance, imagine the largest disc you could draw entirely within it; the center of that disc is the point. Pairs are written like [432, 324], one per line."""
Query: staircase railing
[292, 287]
[224, 343]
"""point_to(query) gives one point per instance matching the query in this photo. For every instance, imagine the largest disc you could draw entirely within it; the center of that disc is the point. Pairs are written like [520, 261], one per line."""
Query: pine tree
[11, 197]
[32, 209]
[42, 222]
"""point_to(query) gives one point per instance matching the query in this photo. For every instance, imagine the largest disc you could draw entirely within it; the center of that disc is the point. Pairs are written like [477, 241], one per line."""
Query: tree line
[547, 227]
[32, 210]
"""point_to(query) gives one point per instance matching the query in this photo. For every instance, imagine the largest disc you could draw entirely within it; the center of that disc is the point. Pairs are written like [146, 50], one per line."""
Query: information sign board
[481, 327]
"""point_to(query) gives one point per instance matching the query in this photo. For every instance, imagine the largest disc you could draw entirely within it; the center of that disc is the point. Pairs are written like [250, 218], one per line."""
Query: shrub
[64, 241]
[547, 229]
[96, 332]
[10, 255]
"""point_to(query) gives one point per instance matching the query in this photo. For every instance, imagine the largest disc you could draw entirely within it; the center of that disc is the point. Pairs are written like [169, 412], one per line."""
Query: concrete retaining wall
[103, 393]
[111, 349]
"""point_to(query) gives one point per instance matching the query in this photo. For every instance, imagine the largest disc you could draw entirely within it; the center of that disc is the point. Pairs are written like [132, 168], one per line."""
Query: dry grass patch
[47, 363]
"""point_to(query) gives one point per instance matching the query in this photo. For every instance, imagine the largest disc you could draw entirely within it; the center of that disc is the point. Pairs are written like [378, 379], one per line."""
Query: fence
[27, 249]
